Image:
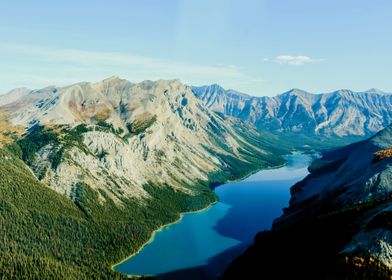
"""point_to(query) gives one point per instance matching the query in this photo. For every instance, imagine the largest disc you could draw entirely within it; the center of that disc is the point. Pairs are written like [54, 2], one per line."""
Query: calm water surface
[202, 244]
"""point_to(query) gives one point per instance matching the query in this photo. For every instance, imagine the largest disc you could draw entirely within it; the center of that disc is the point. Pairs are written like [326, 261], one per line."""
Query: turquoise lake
[202, 244]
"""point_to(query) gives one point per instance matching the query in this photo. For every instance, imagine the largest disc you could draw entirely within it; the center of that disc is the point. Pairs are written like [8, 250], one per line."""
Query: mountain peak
[215, 85]
[112, 79]
[173, 83]
[19, 89]
[215, 88]
[375, 91]
[298, 92]
[349, 92]
[13, 95]
[218, 90]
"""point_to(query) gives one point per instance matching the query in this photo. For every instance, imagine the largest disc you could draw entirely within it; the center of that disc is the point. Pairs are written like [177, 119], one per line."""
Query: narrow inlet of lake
[203, 244]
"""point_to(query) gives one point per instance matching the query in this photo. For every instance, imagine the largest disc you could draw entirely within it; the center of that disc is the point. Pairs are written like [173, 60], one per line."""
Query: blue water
[202, 244]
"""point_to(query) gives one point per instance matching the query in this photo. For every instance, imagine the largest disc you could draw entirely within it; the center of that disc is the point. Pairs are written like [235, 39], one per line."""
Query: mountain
[13, 95]
[138, 133]
[338, 223]
[92, 169]
[342, 113]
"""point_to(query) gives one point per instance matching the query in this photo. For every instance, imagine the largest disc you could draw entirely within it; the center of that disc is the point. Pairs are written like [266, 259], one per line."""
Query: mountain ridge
[337, 223]
[152, 131]
[340, 113]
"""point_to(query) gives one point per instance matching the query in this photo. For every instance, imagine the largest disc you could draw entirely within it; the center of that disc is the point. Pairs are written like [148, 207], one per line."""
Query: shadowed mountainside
[338, 223]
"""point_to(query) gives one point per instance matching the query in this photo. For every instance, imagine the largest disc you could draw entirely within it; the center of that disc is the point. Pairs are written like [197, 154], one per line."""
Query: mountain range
[341, 113]
[90, 170]
[137, 133]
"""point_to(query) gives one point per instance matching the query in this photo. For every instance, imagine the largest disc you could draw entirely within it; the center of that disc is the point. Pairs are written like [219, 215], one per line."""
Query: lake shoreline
[182, 214]
[154, 232]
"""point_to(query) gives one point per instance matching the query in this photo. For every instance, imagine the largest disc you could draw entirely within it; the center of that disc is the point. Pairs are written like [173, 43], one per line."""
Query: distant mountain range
[340, 113]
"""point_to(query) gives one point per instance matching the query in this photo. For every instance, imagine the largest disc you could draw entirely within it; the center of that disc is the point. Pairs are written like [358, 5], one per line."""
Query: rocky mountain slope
[131, 134]
[341, 113]
[90, 170]
[13, 95]
[338, 223]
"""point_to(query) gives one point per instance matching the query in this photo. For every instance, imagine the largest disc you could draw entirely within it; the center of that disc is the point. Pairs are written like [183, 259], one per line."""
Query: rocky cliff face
[338, 223]
[340, 113]
[117, 137]
[356, 176]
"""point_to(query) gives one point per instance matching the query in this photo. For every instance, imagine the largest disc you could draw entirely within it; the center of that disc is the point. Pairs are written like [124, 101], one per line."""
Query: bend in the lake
[202, 244]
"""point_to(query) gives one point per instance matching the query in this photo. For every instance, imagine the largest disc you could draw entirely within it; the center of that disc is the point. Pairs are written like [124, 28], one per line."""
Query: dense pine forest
[46, 235]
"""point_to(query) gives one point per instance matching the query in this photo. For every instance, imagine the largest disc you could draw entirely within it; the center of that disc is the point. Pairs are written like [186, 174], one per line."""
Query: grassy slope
[253, 159]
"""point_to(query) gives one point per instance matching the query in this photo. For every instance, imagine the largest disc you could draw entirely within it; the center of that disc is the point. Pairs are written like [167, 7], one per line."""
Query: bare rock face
[132, 134]
[338, 224]
[352, 174]
[352, 178]
[340, 113]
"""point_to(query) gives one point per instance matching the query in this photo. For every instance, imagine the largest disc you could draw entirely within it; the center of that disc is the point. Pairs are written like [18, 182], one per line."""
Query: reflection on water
[203, 244]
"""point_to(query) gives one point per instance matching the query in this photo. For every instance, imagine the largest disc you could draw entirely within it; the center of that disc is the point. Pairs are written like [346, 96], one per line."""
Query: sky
[263, 47]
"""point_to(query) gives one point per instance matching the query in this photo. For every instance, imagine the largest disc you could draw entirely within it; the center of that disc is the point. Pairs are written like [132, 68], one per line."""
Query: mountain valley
[91, 170]
[113, 157]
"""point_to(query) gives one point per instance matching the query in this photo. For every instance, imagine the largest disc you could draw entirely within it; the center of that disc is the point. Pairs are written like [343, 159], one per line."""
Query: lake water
[203, 244]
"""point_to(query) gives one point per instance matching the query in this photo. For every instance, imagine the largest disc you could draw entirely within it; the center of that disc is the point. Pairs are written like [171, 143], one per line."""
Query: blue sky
[258, 47]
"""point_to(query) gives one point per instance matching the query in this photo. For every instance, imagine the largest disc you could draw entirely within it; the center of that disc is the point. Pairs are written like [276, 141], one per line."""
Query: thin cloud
[41, 66]
[295, 60]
